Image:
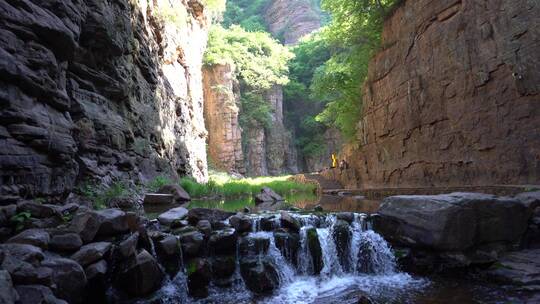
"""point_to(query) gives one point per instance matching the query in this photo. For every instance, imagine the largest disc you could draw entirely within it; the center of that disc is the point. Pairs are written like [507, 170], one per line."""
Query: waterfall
[329, 251]
[374, 255]
[305, 261]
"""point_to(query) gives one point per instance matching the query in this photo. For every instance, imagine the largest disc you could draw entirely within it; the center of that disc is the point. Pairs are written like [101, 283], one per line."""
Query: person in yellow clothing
[334, 161]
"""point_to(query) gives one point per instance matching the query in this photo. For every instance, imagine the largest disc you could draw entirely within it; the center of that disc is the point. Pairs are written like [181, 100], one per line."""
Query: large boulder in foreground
[140, 276]
[456, 221]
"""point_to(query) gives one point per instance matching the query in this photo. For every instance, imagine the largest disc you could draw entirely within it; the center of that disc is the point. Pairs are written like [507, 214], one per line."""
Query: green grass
[221, 184]
[101, 196]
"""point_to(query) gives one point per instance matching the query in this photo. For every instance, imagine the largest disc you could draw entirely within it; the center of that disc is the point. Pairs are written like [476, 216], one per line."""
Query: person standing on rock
[334, 161]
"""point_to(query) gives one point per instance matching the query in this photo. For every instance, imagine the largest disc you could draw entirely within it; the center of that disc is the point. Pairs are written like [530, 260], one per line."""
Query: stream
[363, 265]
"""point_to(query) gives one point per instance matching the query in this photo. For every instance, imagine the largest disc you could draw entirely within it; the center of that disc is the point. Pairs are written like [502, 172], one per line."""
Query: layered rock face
[453, 98]
[291, 20]
[94, 89]
[222, 97]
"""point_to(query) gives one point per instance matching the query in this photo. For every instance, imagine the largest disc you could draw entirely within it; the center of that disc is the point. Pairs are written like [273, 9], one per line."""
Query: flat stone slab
[158, 199]
[175, 214]
[520, 268]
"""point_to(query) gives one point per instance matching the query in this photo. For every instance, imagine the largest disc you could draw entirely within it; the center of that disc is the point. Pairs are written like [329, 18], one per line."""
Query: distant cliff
[99, 89]
[453, 98]
[290, 20]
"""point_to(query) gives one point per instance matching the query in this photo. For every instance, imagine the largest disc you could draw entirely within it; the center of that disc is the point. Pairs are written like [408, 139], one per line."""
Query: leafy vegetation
[246, 13]
[19, 220]
[221, 184]
[260, 62]
[101, 196]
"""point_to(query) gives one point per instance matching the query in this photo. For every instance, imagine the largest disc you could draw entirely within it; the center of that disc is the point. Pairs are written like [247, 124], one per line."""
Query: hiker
[334, 161]
[343, 165]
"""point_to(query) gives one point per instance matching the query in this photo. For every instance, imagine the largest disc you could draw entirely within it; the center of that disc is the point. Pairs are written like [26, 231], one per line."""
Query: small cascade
[374, 255]
[329, 252]
[305, 261]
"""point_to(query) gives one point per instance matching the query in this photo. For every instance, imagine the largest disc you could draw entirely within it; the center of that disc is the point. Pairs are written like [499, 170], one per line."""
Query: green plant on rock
[158, 182]
[101, 196]
[19, 220]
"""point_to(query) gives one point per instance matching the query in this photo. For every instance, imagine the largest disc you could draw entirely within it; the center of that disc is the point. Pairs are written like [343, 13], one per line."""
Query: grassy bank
[226, 186]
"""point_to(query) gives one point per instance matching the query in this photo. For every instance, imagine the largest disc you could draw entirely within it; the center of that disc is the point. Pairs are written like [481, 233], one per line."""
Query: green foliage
[20, 219]
[216, 7]
[101, 196]
[260, 60]
[176, 15]
[229, 187]
[158, 182]
[246, 13]
[255, 111]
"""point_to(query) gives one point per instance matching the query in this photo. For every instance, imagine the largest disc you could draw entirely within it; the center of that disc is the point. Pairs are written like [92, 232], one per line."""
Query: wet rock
[212, 215]
[241, 223]
[520, 268]
[35, 237]
[259, 275]
[205, 227]
[531, 199]
[91, 253]
[179, 224]
[199, 275]
[268, 223]
[158, 199]
[8, 295]
[169, 253]
[69, 278]
[250, 245]
[37, 210]
[456, 221]
[191, 242]
[267, 195]
[288, 221]
[85, 223]
[128, 247]
[37, 294]
[141, 276]
[223, 241]
[288, 244]
[6, 213]
[65, 242]
[96, 270]
[172, 215]
[179, 194]
[223, 266]
[315, 250]
[112, 222]
[345, 216]
[342, 238]
[220, 225]
[96, 274]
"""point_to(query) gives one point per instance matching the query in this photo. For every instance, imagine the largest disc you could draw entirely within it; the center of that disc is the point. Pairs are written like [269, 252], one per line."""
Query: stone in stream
[315, 250]
[112, 222]
[36, 237]
[250, 245]
[169, 252]
[521, 268]
[69, 278]
[205, 227]
[179, 194]
[141, 276]
[342, 238]
[223, 242]
[240, 222]
[223, 266]
[288, 244]
[8, 294]
[451, 222]
[346, 216]
[158, 199]
[191, 242]
[128, 247]
[530, 199]
[86, 223]
[267, 195]
[212, 215]
[288, 221]
[199, 274]
[170, 216]
[96, 274]
[259, 275]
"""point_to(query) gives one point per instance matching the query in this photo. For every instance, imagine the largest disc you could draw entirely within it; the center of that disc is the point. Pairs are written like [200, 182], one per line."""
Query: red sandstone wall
[453, 99]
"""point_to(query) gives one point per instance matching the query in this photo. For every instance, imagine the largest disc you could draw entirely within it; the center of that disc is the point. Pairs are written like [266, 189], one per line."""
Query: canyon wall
[221, 101]
[99, 90]
[290, 20]
[453, 98]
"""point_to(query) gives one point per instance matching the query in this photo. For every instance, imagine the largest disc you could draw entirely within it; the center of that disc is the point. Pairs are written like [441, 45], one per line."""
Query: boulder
[212, 215]
[342, 238]
[269, 223]
[8, 295]
[345, 216]
[97, 286]
[250, 245]
[205, 227]
[521, 268]
[158, 199]
[456, 221]
[69, 278]
[288, 221]
[169, 253]
[24, 273]
[223, 266]
[86, 223]
[223, 241]
[91, 253]
[259, 275]
[113, 222]
[141, 276]
[128, 247]
[37, 210]
[179, 194]
[65, 242]
[288, 244]
[199, 274]
[96, 270]
[191, 242]
[30, 294]
[24, 252]
[172, 215]
[315, 250]
[530, 199]
[36, 237]
[241, 222]
[267, 195]
[6, 213]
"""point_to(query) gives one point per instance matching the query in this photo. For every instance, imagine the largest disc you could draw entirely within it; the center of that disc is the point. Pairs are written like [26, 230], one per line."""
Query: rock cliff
[221, 101]
[291, 20]
[453, 97]
[99, 89]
